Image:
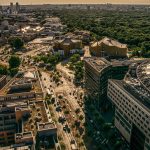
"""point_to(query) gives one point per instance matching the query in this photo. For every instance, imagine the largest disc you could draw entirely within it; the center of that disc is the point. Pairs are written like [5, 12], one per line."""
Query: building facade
[97, 72]
[7, 125]
[131, 98]
[67, 45]
[108, 47]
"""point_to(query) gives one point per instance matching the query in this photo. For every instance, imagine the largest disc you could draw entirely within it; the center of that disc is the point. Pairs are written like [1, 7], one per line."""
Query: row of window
[17, 97]
[135, 113]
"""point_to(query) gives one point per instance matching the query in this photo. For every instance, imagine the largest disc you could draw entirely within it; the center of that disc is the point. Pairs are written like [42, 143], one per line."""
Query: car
[72, 141]
[58, 108]
[64, 119]
[91, 121]
[66, 128]
[61, 119]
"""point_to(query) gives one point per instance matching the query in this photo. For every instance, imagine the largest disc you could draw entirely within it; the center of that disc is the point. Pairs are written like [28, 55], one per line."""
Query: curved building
[131, 98]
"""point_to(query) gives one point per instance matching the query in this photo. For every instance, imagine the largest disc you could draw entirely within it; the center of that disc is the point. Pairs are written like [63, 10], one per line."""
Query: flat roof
[38, 114]
[45, 126]
[20, 78]
[133, 93]
[97, 63]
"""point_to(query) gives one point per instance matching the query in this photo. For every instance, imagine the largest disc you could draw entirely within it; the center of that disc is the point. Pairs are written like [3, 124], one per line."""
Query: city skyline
[7, 2]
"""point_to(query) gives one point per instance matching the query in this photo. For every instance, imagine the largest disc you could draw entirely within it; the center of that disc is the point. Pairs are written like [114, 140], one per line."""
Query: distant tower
[1, 9]
[11, 8]
[88, 7]
[17, 7]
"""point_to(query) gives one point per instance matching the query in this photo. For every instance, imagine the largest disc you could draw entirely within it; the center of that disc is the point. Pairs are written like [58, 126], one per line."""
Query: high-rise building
[97, 72]
[17, 7]
[11, 8]
[131, 98]
[1, 9]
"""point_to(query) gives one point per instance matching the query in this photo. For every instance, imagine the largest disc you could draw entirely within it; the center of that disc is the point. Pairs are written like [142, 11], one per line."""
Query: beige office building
[108, 47]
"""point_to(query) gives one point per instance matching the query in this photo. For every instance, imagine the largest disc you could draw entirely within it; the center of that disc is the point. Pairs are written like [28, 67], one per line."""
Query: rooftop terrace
[46, 126]
[38, 114]
[137, 82]
[97, 63]
[22, 83]
[23, 135]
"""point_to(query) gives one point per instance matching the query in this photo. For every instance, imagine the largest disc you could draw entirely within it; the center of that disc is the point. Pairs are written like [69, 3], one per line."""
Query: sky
[4, 2]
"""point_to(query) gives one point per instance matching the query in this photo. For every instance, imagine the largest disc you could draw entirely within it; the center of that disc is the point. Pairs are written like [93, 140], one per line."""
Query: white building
[131, 98]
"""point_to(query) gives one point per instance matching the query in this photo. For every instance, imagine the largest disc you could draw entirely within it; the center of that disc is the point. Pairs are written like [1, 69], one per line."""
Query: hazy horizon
[25, 2]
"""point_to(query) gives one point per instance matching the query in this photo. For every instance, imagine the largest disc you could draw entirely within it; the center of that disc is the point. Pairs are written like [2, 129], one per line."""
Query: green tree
[145, 49]
[13, 71]
[74, 58]
[3, 69]
[14, 61]
[78, 68]
[16, 43]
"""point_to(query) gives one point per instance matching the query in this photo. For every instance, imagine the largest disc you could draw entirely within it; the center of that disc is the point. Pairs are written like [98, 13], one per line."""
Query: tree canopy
[3, 69]
[14, 61]
[131, 27]
[16, 43]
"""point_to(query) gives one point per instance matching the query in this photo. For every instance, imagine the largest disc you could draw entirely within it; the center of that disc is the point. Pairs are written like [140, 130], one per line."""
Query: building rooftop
[27, 81]
[45, 40]
[109, 42]
[46, 126]
[137, 83]
[38, 114]
[97, 63]
[68, 40]
[23, 135]
[16, 147]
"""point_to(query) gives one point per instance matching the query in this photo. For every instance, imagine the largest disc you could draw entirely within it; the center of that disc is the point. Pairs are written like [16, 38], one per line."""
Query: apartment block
[22, 123]
[25, 85]
[8, 126]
